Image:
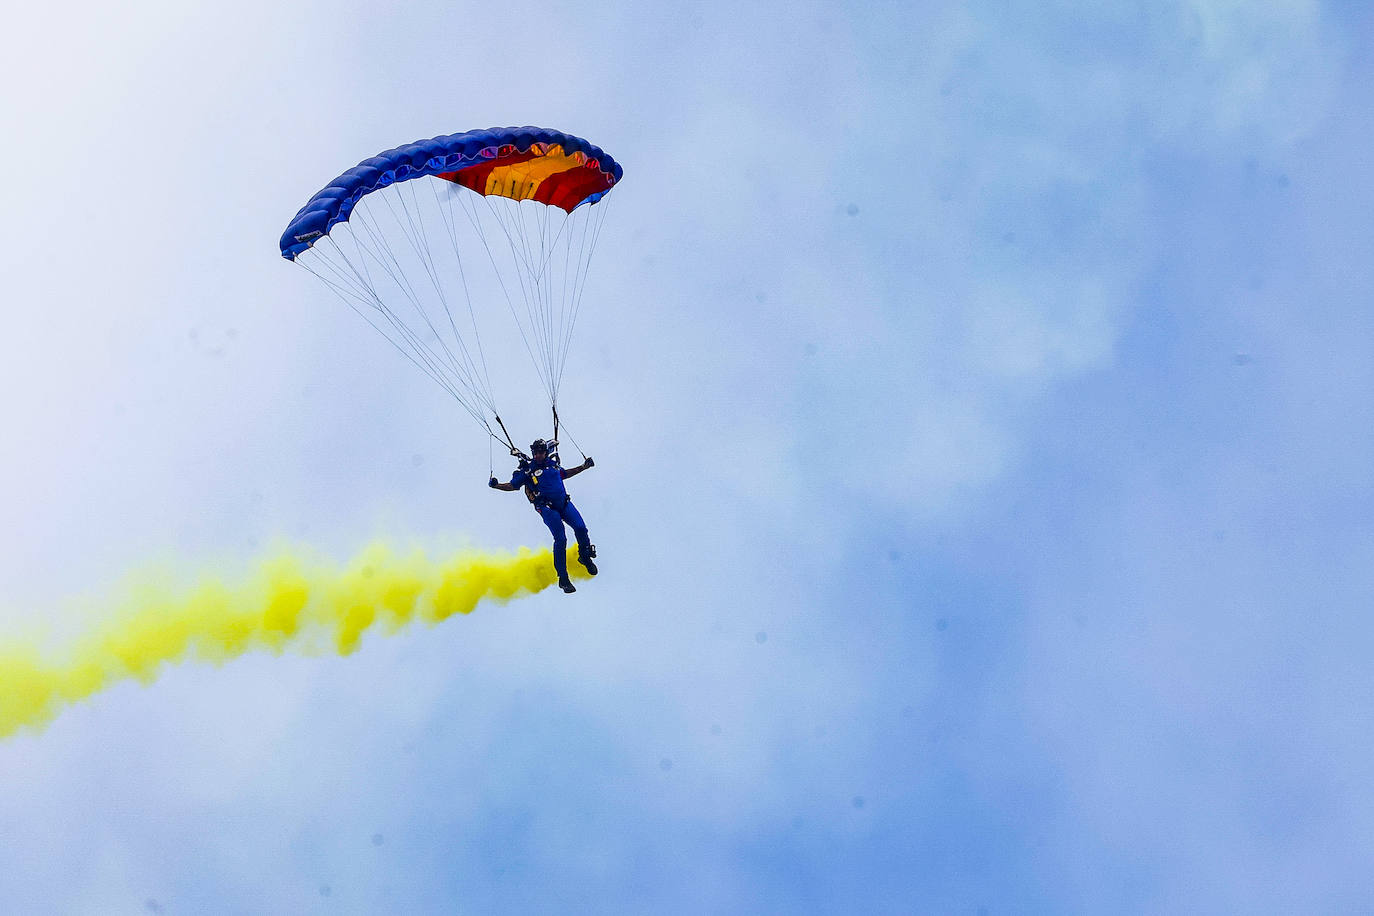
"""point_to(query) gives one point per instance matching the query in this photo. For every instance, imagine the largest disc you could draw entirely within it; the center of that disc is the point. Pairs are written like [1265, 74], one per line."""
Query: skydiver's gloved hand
[589, 462]
[492, 483]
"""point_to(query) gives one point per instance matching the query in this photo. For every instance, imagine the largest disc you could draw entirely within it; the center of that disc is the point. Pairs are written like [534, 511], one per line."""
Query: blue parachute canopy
[520, 163]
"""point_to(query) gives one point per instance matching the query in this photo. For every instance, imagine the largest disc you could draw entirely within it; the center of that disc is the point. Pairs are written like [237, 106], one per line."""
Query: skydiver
[542, 477]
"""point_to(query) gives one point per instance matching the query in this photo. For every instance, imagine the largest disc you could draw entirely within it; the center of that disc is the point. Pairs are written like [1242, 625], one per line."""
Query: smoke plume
[288, 603]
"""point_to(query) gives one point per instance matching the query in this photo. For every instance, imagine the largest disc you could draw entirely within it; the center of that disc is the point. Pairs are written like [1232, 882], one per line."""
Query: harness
[541, 503]
[538, 500]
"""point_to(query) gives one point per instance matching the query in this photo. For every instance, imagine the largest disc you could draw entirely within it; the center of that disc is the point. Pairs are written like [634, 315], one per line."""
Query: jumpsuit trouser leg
[555, 519]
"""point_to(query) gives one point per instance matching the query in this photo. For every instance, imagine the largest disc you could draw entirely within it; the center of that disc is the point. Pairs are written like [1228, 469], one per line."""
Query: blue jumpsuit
[555, 507]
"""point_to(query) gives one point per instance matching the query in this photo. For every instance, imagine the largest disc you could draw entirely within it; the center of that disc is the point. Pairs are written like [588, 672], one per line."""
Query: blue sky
[981, 398]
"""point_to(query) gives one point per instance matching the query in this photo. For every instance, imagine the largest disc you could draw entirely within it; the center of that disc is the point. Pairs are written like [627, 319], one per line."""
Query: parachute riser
[509, 442]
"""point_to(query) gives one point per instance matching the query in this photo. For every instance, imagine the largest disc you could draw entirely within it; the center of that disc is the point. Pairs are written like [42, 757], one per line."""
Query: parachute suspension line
[342, 282]
[573, 441]
[588, 231]
[569, 272]
[567, 254]
[465, 373]
[527, 276]
[340, 292]
[402, 279]
[419, 239]
[546, 294]
[500, 277]
[520, 225]
[578, 274]
[361, 286]
[430, 361]
[413, 294]
[425, 253]
[386, 259]
[420, 347]
[524, 276]
[523, 269]
[580, 286]
[555, 307]
[551, 303]
[446, 214]
[537, 289]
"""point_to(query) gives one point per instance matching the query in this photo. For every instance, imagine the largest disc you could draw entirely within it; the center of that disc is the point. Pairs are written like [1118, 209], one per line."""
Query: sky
[982, 406]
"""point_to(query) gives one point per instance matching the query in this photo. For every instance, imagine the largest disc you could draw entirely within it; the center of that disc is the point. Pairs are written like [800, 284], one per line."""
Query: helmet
[539, 445]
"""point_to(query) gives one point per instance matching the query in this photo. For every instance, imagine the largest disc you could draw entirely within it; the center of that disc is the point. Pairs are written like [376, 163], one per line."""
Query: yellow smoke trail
[288, 603]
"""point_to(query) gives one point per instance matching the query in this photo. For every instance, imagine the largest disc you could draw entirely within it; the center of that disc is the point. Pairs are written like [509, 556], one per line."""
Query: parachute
[420, 239]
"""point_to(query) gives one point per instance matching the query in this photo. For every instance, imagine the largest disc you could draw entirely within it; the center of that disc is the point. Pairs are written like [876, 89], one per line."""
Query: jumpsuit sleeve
[518, 479]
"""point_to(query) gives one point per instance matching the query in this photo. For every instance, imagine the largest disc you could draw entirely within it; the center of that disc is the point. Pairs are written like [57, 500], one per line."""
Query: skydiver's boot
[584, 556]
[566, 584]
